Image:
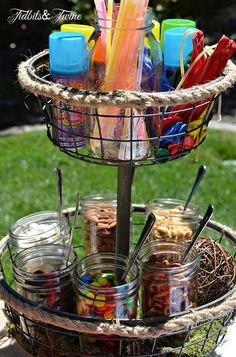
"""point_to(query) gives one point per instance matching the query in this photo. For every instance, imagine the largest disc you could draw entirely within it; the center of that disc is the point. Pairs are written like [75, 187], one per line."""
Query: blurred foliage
[24, 38]
[213, 16]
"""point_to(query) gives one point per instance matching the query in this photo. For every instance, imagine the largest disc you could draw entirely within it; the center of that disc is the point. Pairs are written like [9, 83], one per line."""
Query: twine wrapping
[116, 328]
[140, 331]
[121, 98]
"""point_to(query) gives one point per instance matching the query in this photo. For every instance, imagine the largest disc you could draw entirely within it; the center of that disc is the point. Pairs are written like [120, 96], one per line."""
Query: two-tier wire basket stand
[62, 334]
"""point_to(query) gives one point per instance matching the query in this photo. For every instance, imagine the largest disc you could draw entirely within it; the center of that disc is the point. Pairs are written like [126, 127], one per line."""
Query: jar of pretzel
[168, 286]
[172, 221]
[99, 223]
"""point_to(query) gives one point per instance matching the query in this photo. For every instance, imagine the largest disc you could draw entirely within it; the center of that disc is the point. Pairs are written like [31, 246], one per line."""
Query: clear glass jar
[130, 60]
[168, 287]
[172, 222]
[99, 223]
[99, 290]
[38, 228]
[41, 275]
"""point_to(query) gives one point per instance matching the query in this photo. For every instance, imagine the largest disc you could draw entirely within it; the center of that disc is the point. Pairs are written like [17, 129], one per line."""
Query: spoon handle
[145, 232]
[200, 174]
[73, 227]
[59, 192]
[202, 225]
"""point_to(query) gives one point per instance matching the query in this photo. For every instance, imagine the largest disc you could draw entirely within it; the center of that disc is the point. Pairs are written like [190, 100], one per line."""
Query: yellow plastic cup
[84, 29]
[156, 29]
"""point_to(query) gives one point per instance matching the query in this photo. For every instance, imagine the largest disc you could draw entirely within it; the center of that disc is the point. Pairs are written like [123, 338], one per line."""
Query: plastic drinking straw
[123, 43]
[139, 129]
[128, 66]
[102, 15]
[109, 29]
[186, 35]
[119, 46]
[121, 72]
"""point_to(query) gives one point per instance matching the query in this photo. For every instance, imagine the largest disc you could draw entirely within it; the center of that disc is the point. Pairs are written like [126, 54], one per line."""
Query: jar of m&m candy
[168, 287]
[172, 221]
[99, 223]
[100, 290]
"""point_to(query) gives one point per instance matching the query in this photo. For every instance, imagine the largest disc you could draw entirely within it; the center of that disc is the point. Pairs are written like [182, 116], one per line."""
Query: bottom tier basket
[44, 332]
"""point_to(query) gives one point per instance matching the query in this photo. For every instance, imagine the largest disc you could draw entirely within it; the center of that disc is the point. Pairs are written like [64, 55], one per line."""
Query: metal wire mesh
[42, 339]
[132, 137]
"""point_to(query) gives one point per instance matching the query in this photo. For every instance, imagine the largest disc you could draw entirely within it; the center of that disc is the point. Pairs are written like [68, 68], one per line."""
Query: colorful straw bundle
[124, 65]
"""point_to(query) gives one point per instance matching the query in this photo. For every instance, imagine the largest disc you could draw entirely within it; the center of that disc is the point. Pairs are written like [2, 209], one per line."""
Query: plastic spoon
[145, 232]
[73, 227]
[200, 174]
[202, 225]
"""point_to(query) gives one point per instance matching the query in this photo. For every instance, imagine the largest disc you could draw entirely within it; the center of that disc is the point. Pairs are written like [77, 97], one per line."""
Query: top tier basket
[141, 121]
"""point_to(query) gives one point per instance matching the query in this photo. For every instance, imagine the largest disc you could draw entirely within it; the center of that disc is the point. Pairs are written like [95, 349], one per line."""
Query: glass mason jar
[168, 287]
[125, 55]
[99, 223]
[38, 228]
[172, 222]
[41, 275]
[99, 290]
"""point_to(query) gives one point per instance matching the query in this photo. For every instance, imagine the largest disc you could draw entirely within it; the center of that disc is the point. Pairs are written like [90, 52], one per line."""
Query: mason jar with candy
[42, 275]
[100, 291]
[168, 287]
[172, 221]
[99, 223]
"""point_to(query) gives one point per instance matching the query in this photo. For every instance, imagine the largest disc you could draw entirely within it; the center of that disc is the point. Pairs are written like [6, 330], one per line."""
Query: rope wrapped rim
[30, 81]
[140, 328]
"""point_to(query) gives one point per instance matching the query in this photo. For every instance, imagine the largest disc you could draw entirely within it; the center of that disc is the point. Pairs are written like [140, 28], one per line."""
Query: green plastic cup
[173, 23]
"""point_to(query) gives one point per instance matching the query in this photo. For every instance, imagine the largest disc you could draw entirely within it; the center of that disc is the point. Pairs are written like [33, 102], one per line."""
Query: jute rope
[116, 328]
[122, 98]
[141, 331]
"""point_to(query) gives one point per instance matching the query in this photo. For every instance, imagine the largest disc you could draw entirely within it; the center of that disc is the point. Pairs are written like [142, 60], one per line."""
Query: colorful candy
[104, 296]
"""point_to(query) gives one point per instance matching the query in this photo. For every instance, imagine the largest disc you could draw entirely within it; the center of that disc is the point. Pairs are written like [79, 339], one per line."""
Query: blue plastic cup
[172, 43]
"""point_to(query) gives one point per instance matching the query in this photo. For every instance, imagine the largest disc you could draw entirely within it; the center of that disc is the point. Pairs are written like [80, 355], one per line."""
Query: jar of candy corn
[43, 275]
[168, 287]
[115, 133]
[99, 223]
[100, 290]
[37, 229]
[172, 222]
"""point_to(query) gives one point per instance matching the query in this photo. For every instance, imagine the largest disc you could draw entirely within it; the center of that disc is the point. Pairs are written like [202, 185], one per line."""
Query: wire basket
[121, 127]
[45, 332]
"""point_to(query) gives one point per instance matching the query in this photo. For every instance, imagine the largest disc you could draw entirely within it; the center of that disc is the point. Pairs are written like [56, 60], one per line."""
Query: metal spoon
[145, 232]
[200, 174]
[73, 227]
[202, 225]
[59, 193]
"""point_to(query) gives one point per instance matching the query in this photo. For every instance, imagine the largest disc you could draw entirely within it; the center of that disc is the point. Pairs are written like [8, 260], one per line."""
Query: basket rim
[74, 322]
[30, 81]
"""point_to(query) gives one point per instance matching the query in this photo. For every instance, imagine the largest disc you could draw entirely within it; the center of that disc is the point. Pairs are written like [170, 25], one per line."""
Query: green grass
[27, 177]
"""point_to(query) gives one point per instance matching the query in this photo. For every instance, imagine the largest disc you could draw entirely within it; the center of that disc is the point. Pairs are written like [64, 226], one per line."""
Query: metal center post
[124, 185]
